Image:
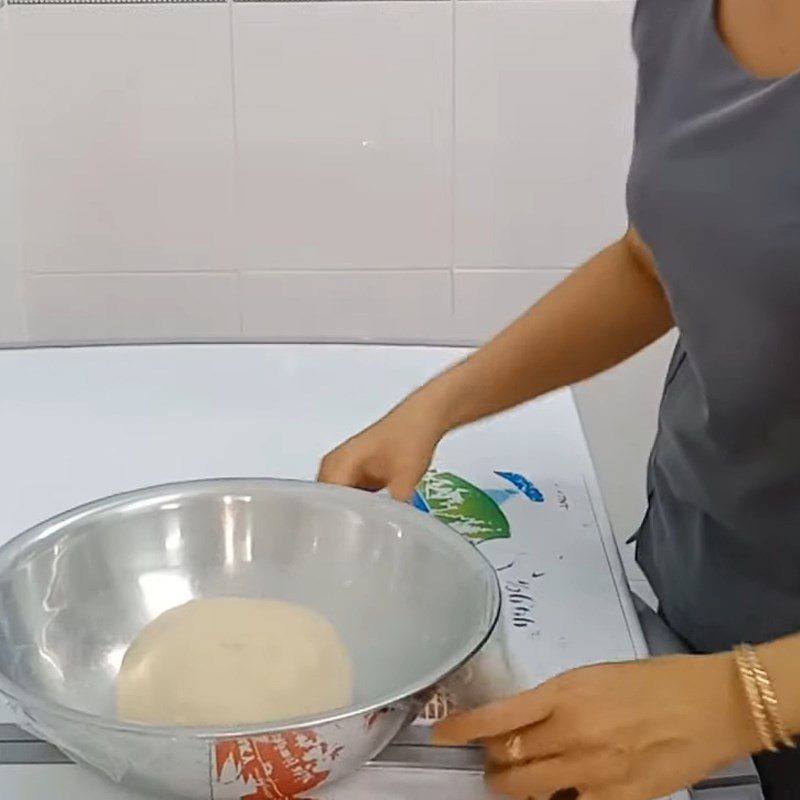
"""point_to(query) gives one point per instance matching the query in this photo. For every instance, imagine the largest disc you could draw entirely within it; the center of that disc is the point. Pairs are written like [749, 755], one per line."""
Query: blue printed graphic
[472, 511]
[523, 484]
[501, 495]
[419, 503]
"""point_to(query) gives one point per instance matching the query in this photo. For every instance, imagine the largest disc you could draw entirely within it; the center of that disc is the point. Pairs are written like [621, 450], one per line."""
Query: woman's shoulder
[659, 24]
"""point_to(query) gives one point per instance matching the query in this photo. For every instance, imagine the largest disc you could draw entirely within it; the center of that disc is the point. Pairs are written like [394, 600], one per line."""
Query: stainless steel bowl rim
[27, 700]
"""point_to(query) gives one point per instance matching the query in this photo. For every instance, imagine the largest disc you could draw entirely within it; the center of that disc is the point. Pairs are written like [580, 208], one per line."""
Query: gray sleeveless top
[714, 190]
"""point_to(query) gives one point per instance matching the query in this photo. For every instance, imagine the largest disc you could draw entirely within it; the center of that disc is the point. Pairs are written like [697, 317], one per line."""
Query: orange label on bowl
[437, 708]
[272, 767]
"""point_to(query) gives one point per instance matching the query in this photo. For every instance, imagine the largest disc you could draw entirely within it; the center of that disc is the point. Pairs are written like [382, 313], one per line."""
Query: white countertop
[77, 424]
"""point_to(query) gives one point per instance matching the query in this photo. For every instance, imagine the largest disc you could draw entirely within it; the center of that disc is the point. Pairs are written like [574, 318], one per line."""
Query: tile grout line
[453, 179]
[124, 273]
[233, 228]
[173, 273]
[9, 104]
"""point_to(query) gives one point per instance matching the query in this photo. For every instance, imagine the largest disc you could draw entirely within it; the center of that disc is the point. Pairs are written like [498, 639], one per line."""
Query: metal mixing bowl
[412, 600]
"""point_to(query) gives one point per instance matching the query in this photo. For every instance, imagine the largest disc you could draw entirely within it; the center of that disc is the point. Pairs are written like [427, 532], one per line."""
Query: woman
[714, 249]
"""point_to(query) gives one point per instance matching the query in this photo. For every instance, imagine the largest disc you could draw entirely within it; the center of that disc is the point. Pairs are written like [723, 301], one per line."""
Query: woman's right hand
[392, 454]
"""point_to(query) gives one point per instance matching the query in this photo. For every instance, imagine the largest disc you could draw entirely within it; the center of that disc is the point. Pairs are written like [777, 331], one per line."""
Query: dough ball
[234, 661]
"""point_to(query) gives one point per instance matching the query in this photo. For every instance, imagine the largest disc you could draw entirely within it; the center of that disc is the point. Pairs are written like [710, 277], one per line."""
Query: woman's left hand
[630, 731]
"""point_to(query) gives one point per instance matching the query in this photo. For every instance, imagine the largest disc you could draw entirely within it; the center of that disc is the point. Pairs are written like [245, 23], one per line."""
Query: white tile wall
[125, 136]
[344, 121]
[7, 192]
[487, 300]
[142, 307]
[355, 169]
[544, 112]
[382, 305]
[12, 312]
[13, 326]
[341, 119]
[619, 411]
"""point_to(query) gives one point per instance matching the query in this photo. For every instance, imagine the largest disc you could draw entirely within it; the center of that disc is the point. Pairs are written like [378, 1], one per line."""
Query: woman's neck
[763, 35]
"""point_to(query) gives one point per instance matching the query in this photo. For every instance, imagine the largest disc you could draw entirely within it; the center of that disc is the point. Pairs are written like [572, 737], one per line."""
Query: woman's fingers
[391, 454]
[567, 794]
[402, 486]
[610, 793]
[336, 470]
[498, 718]
[542, 740]
[557, 774]
[543, 778]
[345, 471]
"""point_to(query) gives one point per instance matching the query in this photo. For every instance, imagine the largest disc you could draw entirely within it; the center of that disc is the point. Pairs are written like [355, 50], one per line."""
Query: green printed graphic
[464, 507]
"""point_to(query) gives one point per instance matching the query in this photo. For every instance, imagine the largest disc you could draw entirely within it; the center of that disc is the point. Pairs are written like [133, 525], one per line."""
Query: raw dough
[232, 661]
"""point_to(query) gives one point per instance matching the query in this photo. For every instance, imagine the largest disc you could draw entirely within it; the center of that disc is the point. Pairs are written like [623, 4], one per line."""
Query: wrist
[780, 659]
[733, 709]
[763, 709]
[437, 406]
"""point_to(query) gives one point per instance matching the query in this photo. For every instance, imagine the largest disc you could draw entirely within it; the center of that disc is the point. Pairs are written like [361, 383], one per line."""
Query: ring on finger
[514, 748]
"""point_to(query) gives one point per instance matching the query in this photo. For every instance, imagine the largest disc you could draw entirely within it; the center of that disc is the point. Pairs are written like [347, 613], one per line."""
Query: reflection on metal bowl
[411, 599]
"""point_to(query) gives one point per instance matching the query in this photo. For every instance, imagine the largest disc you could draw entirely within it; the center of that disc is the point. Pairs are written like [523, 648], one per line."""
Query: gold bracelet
[769, 700]
[758, 710]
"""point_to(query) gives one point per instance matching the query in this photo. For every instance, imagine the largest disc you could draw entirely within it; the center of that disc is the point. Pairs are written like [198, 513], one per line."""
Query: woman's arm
[629, 731]
[607, 310]
[781, 659]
